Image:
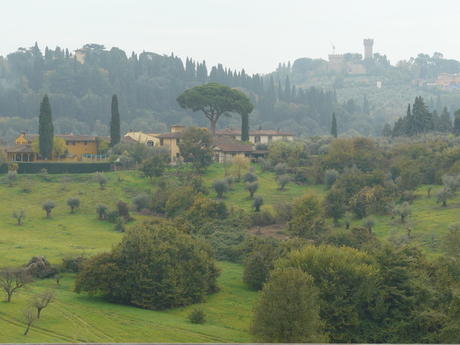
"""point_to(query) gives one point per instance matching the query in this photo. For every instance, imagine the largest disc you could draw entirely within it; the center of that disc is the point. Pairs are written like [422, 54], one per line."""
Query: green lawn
[428, 222]
[268, 188]
[79, 318]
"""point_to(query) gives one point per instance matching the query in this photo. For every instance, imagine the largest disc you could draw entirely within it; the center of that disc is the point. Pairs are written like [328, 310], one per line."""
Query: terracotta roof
[20, 149]
[70, 137]
[227, 144]
[228, 131]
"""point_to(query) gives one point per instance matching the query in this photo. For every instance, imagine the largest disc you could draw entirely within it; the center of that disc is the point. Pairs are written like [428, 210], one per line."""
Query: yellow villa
[78, 147]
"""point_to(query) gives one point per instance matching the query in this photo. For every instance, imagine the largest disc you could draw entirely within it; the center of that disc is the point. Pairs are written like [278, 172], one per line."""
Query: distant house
[171, 141]
[261, 136]
[79, 147]
[148, 139]
[226, 148]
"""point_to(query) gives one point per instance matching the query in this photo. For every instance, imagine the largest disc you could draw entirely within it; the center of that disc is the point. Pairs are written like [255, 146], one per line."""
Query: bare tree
[29, 317]
[12, 279]
[42, 300]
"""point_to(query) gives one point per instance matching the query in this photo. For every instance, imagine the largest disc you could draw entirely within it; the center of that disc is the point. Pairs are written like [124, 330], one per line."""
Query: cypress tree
[115, 135]
[45, 129]
[244, 127]
[334, 126]
[457, 123]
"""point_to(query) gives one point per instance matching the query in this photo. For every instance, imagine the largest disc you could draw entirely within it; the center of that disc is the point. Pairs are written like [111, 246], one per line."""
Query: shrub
[283, 180]
[12, 177]
[283, 212]
[73, 264]
[220, 187]
[262, 218]
[141, 201]
[39, 267]
[330, 176]
[101, 179]
[48, 207]
[112, 216]
[101, 211]
[252, 187]
[147, 269]
[249, 177]
[257, 203]
[280, 168]
[19, 215]
[197, 316]
[123, 211]
[73, 203]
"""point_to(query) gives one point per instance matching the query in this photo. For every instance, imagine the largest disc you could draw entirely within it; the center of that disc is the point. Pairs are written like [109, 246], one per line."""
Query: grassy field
[79, 318]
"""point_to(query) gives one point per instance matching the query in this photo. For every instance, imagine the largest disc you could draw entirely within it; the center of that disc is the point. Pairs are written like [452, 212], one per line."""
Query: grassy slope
[81, 318]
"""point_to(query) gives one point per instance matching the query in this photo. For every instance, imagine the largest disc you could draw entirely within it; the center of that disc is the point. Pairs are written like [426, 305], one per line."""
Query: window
[161, 142]
[257, 139]
[150, 143]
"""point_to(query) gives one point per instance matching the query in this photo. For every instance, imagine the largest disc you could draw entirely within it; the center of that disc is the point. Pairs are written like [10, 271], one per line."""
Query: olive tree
[73, 203]
[48, 207]
[42, 300]
[19, 215]
[13, 279]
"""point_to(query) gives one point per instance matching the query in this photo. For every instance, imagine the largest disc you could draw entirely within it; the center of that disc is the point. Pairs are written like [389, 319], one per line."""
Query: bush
[147, 269]
[101, 211]
[257, 203]
[220, 187]
[249, 177]
[73, 264]
[123, 211]
[39, 267]
[112, 216]
[330, 176]
[101, 179]
[252, 187]
[48, 207]
[262, 218]
[73, 203]
[142, 201]
[283, 180]
[283, 212]
[280, 168]
[197, 316]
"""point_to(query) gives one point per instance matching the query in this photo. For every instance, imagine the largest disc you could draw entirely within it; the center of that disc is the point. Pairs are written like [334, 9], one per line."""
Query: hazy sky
[250, 34]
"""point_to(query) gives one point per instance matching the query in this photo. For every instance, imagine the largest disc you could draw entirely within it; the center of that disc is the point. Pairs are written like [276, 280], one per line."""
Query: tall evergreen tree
[45, 129]
[334, 126]
[115, 135]
[445, 123]
[457, 123]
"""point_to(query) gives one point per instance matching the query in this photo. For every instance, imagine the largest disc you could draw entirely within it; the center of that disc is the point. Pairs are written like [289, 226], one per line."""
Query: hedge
[63, 168]
[3, 169]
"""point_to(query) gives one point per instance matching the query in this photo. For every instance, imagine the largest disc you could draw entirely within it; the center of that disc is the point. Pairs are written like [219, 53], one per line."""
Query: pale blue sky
[250, 34]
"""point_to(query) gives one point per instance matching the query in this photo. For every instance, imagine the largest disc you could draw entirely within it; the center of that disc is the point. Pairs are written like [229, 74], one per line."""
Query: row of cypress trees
[46, 127]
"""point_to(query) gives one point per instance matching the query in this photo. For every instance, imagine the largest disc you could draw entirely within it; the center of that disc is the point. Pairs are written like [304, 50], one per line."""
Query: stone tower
[368, 47]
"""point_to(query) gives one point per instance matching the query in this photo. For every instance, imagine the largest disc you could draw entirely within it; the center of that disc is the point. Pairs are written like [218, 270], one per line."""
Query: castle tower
[368, 47]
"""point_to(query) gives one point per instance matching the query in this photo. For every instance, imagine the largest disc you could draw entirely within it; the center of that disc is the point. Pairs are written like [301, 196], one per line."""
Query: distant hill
[300, 97]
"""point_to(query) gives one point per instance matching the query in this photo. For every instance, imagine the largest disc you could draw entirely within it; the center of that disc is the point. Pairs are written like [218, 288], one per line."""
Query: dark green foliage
[154, 267]
[345, 279]
[288, 310]
[123, 211]
[262, 217]
[283, 180]
[417, 121]
[115, 134]
[214, 100]
[45, 129]
[249, 177]
[257, 203]
[142, 201]
[196, 147]
[156, 164]
[252, 187]
[456, 129]
[307, 218]
[334, 126]
[197, 316]
[220, 187]
[73, 264]
[259, 263]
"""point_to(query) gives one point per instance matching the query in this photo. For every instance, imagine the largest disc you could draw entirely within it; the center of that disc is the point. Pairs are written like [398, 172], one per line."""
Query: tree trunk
[213, 127]
[39, 310]
[27, 329]
[8, 296]
[244, 127]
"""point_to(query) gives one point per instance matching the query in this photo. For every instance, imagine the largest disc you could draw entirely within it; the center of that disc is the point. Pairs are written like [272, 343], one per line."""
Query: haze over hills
[365, 93]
